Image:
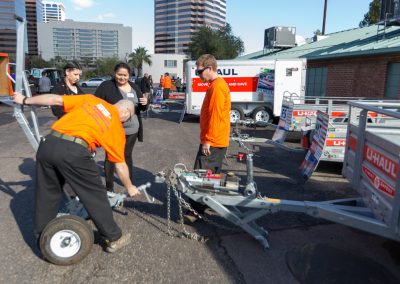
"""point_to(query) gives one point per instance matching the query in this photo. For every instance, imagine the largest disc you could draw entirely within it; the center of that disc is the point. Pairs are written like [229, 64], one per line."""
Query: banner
[285, 121]
[314, 154]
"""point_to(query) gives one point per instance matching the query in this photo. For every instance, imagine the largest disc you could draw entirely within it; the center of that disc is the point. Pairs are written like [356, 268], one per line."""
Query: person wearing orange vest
[65, 155]
[167, 85]
[214, 122]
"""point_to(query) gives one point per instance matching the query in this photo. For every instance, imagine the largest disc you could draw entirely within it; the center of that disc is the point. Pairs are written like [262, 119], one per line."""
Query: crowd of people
[111, 119]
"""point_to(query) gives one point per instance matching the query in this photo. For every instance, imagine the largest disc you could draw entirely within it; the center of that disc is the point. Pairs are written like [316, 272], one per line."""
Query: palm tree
[138, 57]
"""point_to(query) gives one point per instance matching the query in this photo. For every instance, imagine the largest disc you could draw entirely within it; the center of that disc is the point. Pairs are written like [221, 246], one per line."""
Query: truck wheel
[66, 240]
[262, 114]
[236, 114]
[84, 85]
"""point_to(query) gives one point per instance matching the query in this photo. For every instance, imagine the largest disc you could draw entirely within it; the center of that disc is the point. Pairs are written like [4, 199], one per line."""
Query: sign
[284, 122]
[378, 183]
[314, 154]
[266, 83]
[386, 165]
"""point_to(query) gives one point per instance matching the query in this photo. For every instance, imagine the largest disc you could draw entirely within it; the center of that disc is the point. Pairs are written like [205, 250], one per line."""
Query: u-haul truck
[257, 87]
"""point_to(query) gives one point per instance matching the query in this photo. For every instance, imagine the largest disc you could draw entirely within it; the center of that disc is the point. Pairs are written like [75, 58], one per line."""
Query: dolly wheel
[66, 240]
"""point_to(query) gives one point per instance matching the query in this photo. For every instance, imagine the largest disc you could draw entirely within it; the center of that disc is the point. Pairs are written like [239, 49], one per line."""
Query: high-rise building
[8, 26]
[84, 41]
[175, 22]
[53, 11]
[34, 14]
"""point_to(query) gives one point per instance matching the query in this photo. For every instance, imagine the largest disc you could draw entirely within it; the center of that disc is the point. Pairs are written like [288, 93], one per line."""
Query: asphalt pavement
[303, 249]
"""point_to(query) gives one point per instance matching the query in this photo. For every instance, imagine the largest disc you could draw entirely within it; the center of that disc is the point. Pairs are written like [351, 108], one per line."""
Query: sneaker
[118, 244]
[189, 217]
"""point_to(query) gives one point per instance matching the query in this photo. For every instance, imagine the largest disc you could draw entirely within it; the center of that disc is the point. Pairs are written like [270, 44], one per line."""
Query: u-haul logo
[336, 142]
[227, 72]
[383, 163]
[378, 183]
[304, 113]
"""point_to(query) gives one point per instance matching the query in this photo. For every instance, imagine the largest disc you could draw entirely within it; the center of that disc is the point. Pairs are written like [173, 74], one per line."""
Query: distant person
[113, 91]
[145, 85]
[214, 123]
[44, 83]
[68, 86]
[161, 81]
[167, 85]
[178, 84]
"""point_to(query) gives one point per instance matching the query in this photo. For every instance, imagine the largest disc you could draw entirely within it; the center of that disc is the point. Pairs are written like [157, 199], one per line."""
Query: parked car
[93, 82]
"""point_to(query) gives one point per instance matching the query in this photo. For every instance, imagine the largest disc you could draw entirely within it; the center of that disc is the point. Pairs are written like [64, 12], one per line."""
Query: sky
[248, 18]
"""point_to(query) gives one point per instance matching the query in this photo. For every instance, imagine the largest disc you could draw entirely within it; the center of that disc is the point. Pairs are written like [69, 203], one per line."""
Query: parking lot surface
[303, 249]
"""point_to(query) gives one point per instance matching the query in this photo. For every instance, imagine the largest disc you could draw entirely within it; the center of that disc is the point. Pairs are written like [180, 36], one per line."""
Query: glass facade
[8, 36]
[177, 20]
[85, 45]
[53, 11]
[34, 13]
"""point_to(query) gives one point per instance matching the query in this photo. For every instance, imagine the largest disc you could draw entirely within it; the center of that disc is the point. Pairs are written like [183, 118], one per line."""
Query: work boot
[114, 246]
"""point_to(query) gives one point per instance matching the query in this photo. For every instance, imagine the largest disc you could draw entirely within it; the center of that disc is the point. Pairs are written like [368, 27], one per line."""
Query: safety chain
[182, 203]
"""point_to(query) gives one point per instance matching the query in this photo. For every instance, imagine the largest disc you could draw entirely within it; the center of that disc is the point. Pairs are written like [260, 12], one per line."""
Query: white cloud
[82, 4]
[105, 16]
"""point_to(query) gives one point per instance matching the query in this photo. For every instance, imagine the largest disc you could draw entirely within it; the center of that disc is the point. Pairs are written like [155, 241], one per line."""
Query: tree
[58, 62]
[138, 57]
[372, 17]
[105, 66]
[38, 62]
[221, 43]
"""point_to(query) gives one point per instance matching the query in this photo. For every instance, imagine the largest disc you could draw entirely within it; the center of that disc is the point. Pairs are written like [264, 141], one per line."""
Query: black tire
[66, 240]
[84, 85]
[262, 114]
[236, 114]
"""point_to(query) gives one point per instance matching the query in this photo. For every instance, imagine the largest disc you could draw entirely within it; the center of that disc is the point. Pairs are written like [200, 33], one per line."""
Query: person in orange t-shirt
[214, 122]
[167, 85]
[65, 155]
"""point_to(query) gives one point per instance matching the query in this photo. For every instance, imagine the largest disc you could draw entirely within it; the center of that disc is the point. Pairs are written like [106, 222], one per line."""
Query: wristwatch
[23, 101]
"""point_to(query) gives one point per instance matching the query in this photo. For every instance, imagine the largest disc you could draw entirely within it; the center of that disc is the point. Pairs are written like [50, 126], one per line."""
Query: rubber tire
[84, 85]
[239, 111]
[72, 223]
[267, 110]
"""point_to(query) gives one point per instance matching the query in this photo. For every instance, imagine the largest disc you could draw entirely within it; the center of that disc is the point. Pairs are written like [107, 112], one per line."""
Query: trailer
[371, 165]
[257, 87]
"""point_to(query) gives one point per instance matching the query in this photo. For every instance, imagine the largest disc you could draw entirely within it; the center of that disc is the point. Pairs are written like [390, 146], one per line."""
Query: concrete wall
[157, 68]
[357, 77]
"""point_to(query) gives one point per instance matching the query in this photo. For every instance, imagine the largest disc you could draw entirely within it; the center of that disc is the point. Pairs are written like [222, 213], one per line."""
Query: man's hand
[205, 149]
[133, 191]
[18, 98]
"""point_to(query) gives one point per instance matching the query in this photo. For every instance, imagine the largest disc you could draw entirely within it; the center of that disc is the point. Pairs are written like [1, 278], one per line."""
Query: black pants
[109, 167]
[212, 162]
[59, 161]
[166, 93]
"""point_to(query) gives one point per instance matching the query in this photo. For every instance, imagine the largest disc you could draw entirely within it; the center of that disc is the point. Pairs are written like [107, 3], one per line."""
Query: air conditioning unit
[280, 37]
[390, 12]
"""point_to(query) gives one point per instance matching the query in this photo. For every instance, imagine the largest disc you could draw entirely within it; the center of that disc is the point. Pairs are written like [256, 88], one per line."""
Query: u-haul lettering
[336, 142]
[383, 163]
[304, 113]
[227, 72]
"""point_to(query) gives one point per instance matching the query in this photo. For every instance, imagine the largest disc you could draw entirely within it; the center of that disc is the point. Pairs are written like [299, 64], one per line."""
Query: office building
[8, 26]
[53, 11]
[84, 41]
[175, 22]
[34, 14]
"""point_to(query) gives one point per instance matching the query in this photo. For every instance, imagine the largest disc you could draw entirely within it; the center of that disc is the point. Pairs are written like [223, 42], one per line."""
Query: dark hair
[72, 65]
[122, 65]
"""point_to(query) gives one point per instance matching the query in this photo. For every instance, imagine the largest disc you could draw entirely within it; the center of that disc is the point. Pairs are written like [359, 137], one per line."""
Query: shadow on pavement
[22, 202]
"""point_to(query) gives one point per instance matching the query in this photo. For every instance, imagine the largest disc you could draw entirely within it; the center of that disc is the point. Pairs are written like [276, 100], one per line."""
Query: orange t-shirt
[215, 115]
[167, 83]
[95, 121]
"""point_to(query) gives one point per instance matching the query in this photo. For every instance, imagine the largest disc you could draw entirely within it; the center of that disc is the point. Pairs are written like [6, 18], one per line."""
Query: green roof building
[362, 62]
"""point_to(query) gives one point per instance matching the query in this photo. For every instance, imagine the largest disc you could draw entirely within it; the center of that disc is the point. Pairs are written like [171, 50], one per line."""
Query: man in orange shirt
[65, 155]
[167, 85]
[214, 121]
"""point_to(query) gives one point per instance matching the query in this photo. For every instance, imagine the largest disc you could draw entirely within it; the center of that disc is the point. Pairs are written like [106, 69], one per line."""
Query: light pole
[324, 18]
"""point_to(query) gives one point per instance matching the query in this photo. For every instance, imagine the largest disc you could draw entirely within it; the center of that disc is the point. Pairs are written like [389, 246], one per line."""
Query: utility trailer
[371, 165]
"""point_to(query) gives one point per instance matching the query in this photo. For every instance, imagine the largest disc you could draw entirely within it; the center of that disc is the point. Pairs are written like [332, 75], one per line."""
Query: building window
[393, 81]
[316, 82]
[170, 63]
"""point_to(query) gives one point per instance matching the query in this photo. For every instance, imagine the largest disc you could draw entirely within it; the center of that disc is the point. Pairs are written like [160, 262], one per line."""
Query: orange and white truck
[257, 86]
